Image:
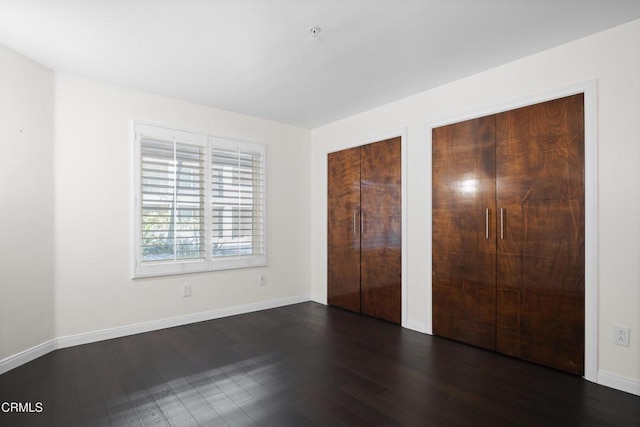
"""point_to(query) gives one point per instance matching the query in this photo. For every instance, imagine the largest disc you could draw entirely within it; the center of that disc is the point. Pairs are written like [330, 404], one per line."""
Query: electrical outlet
[262, 279]
[621, 335]
[186, 290]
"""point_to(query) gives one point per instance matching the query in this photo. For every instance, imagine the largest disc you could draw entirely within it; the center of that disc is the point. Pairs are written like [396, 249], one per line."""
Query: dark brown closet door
[343, 229]
[540, 262]
[381, 230]
[464, 232]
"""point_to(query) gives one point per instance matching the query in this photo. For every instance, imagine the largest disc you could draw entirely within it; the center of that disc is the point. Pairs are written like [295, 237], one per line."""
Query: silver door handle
[354, 222]
[486, 223]
[362, 222]
[355, 230]
[501, 223]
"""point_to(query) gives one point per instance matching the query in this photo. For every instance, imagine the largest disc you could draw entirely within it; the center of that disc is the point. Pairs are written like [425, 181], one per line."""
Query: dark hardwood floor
[305, 364]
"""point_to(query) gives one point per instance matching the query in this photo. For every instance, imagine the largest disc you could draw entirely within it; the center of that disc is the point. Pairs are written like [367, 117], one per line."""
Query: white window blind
[200, 202]
[172, 201]
[237, 202]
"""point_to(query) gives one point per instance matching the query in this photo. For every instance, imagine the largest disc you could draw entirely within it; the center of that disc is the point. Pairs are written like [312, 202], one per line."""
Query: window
[199, 202]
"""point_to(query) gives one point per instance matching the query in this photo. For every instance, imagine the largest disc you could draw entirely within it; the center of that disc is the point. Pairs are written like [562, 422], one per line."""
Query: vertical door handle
[355, 230]
[362, 222]
[501, 223]
[486, 223]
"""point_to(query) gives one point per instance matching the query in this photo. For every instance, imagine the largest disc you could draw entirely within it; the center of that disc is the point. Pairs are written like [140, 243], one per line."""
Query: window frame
[209, 262]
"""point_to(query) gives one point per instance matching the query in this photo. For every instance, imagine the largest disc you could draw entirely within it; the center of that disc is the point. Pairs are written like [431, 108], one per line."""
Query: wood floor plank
[371, 414]
[304, 364]
[232, 413]
[102, 357]
[197, 405]
[90, 403]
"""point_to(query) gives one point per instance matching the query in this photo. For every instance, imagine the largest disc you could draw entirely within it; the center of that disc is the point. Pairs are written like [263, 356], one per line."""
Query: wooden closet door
[540, 262]
[343, 229]
[464, 232]
[381, 249]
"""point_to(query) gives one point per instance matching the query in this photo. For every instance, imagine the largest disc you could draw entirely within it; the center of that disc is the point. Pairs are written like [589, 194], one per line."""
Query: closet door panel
[381, 224]
[547, 119]
[464, 232]
[540, 262]
[343, 229]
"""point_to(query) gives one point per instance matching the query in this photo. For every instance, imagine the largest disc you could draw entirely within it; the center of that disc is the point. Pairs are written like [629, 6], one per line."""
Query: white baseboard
[319, 298]
[39, 350]
[619, 383]
[414, 325]
[27, 356]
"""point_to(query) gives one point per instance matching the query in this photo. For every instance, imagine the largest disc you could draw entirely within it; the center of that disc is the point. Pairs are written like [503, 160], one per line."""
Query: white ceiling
[257, 57]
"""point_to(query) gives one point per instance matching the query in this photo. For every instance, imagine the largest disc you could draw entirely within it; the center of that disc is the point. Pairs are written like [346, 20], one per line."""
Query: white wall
[93, 210]
[26, 204]
[611, 57]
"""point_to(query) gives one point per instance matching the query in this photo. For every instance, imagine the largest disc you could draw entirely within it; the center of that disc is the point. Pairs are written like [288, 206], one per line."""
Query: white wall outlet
[186, 290]
[621, 335]
[262, 279]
